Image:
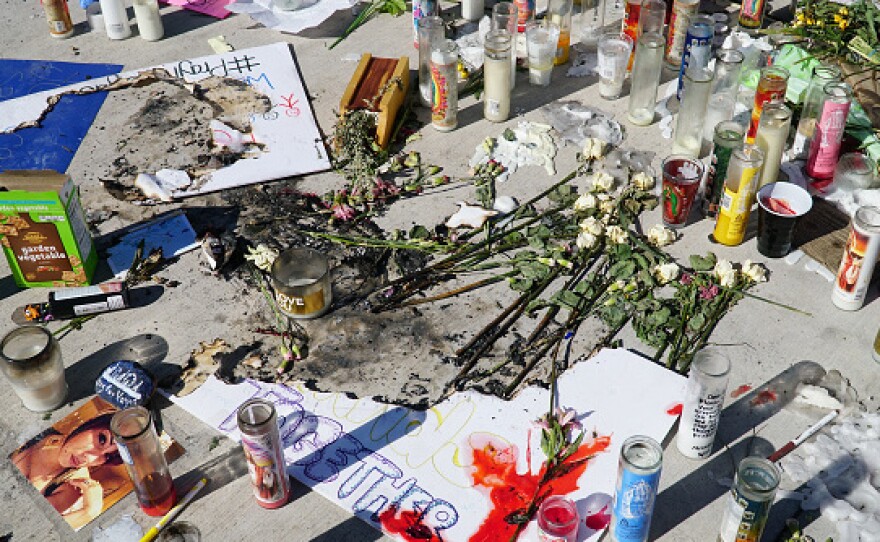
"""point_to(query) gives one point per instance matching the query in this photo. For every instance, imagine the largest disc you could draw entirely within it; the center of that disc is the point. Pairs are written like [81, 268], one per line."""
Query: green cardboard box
[43, 230]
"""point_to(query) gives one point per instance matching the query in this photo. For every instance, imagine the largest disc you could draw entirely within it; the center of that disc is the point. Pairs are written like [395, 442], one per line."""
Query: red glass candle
[558, 520]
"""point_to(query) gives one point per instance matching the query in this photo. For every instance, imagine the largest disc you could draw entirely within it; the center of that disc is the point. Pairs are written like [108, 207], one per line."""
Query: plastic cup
[780, 206]
[541, 40]
[614, 50]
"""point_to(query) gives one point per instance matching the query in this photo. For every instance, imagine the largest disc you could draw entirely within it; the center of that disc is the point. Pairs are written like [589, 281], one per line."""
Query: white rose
[602, 182]
[754, 271]
[616, 234]
[660, 236]
[586, 240]
[725, 273]
[591, 226]
[585, 202]
[593, 149]
[643, 181]
[262, 256]
[666, 272]
[607, 206]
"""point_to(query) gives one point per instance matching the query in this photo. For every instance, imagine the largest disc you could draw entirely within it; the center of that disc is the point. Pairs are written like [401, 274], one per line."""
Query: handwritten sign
[406, 471]
[288, 132]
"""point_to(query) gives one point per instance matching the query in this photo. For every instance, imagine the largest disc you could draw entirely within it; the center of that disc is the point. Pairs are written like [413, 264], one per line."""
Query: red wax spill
[675, 410]
[745, 388]
[764, 397]
[408, 525]
[779, 206]
[494, 471]
[599, 520]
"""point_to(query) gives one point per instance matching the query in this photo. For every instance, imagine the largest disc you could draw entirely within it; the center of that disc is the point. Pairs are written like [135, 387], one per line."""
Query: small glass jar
[301, 280]
[142, 454]
[771, 138]
[558, 520]
[725, 88]
[32, 364]
[749, 501]
[258, 424]
[855, 171]
[496, 75]
[812, 104]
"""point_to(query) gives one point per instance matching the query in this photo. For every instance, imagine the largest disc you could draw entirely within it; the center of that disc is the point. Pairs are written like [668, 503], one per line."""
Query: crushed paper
[311, 14]
[529, 144]
[575, 122]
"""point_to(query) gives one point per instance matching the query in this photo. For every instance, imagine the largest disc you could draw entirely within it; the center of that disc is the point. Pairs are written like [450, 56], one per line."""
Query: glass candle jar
[855, 171]
[431, 33]
[743, 173]
[559, 13]
[825, 146]
[142, 454]
[149, 20]
[558, 520]
[697, 48]
[592, 20]
[472, 10]
[728, 137]
[541, 40]
[613, 51]
[421, 9]
[444, 86]
[771, 137]
[859, 258]
[682, 12]
[32, 364]
[703, 399]
[301, 280]
[258, 424]
[751, 16]
[496, 75]
[812, 104]
[725, 88]
[749, 501]
[638, 477]
[692, 114]
[771, 87]
[505, 17]
[648, 63]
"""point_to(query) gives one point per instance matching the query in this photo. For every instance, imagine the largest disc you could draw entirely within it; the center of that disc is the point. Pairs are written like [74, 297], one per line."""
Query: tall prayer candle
[771, 137]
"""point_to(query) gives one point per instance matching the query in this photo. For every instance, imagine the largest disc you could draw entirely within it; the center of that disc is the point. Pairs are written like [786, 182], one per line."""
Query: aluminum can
[638, 477]
[750, 500]
[258, 424]
[859, 257]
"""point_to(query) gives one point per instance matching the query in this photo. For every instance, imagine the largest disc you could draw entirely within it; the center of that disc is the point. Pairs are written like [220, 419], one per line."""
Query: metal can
[58, 17]
[750, 500]
[682, 12]
[859, 257]
[638, 477]
[697, 47]
[261, 442]
[727, 138]
[743, 173]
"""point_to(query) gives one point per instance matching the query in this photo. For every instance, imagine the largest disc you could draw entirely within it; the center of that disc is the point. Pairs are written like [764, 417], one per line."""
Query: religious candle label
[266, 468]
[825, 147]
[861, 251]
[634, 505]
[734, 213]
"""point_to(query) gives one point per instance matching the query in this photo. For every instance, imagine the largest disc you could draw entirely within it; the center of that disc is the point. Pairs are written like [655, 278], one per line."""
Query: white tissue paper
[312, 13]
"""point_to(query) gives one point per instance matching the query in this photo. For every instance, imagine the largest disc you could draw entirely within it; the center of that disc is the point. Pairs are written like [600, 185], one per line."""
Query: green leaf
[536, 305]
[525, 255]
[696, 322]
[561, 194]
[419, 232]
[521, 285]
[566, 298]
[622, 251]
[533, 270]
[700, 263]
[642, 262]
[613, 316]
[509, 135]
[514, 238]
[622, 270]
[659, 317]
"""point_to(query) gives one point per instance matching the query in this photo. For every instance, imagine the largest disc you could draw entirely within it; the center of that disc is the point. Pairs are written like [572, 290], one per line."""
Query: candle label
[442, 115]
[734, 212]
[751, 13]
[716, 176]
[745, 518]
[525, 10]
[825, 147]
[772, 87]
[699, 423]
[266, 468]
[493, 107]
[301, 305]
[634, 505]
[420, 10]
[697, 48]
[631, 26]
[678, 23]
[857, 265]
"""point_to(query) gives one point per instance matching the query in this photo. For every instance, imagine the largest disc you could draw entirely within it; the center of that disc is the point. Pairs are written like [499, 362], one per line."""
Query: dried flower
[754, 272]
[660, 236]
[586, 240]
[262, 256]
[585, 202]
[643, 181]
[343, 212]
[616, 234]
[601, 182]
[725, 273]
[666, 272]
[593, 149]
[708, 293]
[591, 225]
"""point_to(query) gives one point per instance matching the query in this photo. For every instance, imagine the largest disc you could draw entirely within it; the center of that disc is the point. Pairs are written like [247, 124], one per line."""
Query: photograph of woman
[76, 465]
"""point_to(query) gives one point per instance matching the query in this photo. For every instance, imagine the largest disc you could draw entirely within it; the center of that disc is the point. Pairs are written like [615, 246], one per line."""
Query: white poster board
[397, 468]
[292, 142]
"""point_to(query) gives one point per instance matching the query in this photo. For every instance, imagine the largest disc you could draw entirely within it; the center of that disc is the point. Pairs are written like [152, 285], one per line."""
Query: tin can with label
[638, 477]
[859, 257]
[58, 17]
[750, 500]
[261, 442]
[743, 173]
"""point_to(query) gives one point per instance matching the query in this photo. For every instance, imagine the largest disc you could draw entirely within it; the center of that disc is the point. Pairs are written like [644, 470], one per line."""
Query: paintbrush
[809, 432]
[154, 531]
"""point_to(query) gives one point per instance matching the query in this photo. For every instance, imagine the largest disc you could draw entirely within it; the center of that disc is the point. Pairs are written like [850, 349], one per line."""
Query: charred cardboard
[43, 230]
